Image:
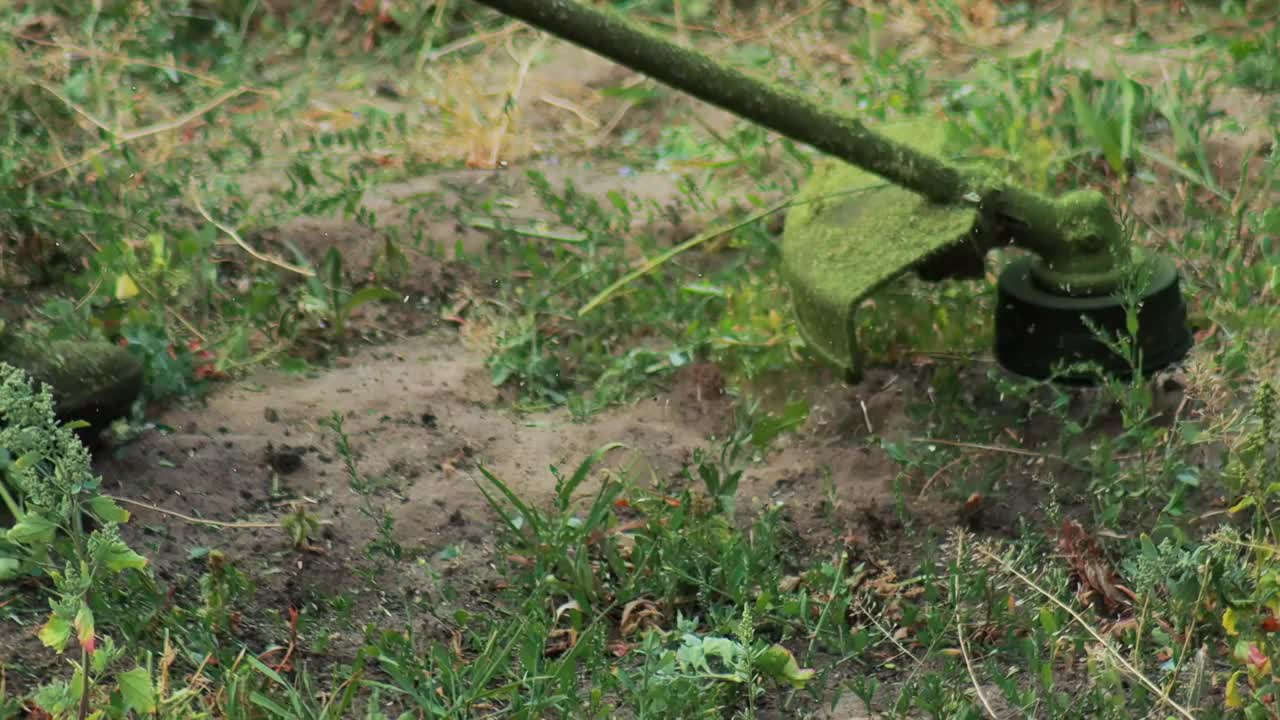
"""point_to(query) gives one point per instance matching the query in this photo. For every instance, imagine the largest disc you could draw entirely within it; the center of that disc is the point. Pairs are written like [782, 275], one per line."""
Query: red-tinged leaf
[1257, 658]
[620, 649]
[974, 502]
[1271, 624]
[85, 629]
[623, 504]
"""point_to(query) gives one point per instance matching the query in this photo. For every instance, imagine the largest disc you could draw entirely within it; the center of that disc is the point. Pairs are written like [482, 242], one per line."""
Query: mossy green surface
[852, 233]
[92, 381]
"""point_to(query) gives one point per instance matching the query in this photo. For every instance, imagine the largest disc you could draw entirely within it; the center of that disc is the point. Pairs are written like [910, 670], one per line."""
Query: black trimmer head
[1043, 334]
[852, 234]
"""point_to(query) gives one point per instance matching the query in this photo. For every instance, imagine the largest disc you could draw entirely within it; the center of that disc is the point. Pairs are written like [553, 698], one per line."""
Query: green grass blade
[530, 515]
[584, 470]
[662, 258]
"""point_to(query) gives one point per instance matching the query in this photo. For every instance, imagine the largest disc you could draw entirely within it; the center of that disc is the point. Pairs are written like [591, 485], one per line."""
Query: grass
[152, 157]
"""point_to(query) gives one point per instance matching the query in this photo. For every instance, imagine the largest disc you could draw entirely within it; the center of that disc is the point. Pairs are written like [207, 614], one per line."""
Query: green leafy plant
[52, 496]
[563, 533]
[301, 526]
[721, 478]
[300, 698]
[1256, 64]
[1110, 116]
[385, 545]
[1252, 473]
[103, 686]
[705, 674]
[221, 586]
[329, 305]
[50, 491]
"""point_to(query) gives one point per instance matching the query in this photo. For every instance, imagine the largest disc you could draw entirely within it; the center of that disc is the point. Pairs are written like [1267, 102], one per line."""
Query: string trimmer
[889, 202]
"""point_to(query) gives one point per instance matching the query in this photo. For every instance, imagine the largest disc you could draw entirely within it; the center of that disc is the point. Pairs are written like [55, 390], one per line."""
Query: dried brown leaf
[982, 14]
[560, 642]
[638, 615]
[571, 605]
[1097, 578]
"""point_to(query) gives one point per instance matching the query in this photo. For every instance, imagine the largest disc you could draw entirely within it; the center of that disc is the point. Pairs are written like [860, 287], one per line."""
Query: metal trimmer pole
[778, 108]
[1076, 236]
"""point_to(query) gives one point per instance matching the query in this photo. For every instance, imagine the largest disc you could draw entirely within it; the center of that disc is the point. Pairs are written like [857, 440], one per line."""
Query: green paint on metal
[842, 245]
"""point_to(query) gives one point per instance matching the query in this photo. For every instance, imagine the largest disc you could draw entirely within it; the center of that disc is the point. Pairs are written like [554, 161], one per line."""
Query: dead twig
[100, 124]
[467, 42]
[973, 676]
[776, 29]
[934, 477]
[567, 106]
[612, 125]
[1106, 645]
[991, 448]
[122, 138]
[425, 55]
[871, 617]
[125, 59]
[196, 520]
[964, 653]
[513, 99]
[235, 237]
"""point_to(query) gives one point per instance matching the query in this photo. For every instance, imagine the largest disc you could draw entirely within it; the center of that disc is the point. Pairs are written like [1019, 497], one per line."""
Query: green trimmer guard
[850, 233]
